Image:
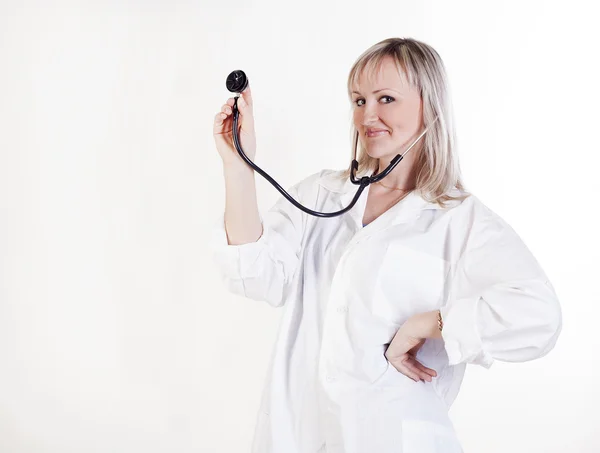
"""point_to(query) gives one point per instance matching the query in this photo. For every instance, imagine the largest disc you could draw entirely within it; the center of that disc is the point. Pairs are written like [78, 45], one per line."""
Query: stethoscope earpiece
[237, 81]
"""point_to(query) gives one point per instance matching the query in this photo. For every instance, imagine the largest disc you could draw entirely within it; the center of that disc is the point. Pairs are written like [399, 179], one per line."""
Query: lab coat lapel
[345, 191]
[355, 215]
[407, 210]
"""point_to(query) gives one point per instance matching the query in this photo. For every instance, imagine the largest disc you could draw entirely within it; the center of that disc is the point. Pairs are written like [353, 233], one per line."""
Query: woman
[386, 304]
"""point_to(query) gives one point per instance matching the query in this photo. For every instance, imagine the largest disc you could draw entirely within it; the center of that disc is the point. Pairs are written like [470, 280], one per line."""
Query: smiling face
[387, 112]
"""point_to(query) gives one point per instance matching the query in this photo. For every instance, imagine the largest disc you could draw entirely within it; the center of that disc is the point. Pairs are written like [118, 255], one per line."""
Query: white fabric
[346, 289]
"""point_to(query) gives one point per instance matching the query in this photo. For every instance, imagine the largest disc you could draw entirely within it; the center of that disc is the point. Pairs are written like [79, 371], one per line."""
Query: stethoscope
[236, 83]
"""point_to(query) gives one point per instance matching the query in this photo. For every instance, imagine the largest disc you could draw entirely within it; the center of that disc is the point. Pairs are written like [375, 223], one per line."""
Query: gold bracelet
[440, 322]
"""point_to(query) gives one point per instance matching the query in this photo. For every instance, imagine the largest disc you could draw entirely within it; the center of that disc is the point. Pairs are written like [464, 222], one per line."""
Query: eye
[391, 99]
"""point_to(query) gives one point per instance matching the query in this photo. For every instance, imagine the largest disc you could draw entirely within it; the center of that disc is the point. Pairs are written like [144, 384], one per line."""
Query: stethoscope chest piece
[237, 81]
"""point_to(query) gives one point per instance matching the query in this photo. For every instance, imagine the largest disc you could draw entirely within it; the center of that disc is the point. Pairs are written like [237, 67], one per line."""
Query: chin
[378, 153]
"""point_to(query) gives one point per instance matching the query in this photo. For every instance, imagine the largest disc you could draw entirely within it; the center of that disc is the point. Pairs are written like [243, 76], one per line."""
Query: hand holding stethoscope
[223, 128]
[226, 122]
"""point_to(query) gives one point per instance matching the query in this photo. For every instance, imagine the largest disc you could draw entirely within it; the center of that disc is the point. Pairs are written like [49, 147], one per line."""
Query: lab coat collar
[407, 210]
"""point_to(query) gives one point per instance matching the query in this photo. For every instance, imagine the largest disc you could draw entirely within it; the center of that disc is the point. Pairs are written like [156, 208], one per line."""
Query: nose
[370, 115]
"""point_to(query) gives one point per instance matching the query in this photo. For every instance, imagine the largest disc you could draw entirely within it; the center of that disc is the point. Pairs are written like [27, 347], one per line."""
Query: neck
[403, 176]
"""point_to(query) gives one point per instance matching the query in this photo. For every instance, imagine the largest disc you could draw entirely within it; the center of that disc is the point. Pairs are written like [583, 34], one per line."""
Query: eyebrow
[377, 91]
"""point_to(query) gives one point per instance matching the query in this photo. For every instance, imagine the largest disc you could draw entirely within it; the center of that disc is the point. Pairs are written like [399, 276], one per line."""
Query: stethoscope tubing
[362, 182]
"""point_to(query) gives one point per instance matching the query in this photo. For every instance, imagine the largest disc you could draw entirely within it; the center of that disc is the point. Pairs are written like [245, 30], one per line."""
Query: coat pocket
[409, 281]
[422, 436]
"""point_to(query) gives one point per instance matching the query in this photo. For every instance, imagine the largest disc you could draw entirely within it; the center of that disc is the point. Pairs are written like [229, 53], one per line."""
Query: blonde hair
[437, 166]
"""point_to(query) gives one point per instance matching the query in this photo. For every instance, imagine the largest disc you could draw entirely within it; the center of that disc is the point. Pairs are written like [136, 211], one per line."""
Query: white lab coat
[346, 289]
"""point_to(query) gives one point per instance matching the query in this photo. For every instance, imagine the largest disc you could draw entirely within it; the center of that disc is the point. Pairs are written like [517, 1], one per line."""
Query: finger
[220, 123]
[247, 95]
[411, 374]
[226, 109]
[242, 104]
[415, 369]
[219, 117]
[230, 101]
[405, 370]
[423, 368]
[429, 371]
[246, 112]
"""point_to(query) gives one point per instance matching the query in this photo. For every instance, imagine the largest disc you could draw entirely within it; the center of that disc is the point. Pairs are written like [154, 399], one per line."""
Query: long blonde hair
[437, 166]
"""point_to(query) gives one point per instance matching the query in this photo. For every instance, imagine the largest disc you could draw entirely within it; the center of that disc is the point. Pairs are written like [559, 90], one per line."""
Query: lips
[376, 132]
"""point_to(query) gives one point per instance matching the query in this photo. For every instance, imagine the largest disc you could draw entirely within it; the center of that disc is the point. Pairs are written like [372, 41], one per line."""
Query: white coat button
[342, 309]
[329, 378]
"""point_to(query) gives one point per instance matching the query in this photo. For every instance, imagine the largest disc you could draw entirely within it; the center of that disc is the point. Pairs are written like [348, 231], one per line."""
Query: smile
[376, 134]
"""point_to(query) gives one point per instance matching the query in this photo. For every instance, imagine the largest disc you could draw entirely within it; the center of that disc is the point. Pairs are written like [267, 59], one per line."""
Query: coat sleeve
[263, 270]
[501, 304]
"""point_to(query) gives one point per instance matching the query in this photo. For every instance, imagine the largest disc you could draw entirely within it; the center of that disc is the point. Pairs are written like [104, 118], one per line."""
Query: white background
[116, 334]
